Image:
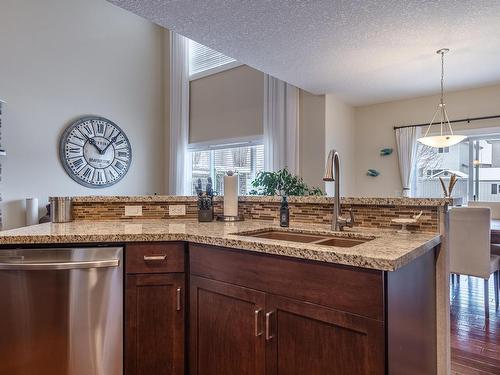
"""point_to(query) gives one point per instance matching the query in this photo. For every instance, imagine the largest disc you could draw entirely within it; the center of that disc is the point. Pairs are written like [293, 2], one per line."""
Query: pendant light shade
[441, 140]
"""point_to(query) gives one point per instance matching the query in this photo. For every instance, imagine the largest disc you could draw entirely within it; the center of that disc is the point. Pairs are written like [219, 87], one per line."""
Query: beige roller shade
[226, 105]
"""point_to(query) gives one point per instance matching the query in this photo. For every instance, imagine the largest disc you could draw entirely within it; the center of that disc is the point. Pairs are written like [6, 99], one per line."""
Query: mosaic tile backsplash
[372, 215]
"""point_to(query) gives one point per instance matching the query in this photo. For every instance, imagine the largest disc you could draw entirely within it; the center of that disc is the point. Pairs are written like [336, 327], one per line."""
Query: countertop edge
[364, 201]
[238, 242]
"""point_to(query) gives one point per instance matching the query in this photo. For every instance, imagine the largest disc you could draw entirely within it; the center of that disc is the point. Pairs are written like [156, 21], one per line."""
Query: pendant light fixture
[442, 140]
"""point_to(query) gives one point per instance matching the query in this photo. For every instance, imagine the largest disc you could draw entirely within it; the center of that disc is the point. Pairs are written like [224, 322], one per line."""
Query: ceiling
[364, 51]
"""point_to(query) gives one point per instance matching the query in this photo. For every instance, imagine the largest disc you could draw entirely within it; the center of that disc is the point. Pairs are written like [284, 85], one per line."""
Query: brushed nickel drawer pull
[178, 295]
[155, 258]
[256, 316]
[268, 326]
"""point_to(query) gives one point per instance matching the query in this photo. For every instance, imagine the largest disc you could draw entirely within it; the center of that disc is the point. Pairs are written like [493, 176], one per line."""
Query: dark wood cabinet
[308, 317]
[226, 329]
[154, 320]
[359, 291]
[304, 338]
[237, 330]
[259, 314]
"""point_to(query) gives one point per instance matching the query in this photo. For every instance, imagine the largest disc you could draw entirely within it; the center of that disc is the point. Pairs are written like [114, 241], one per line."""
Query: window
[246, 160]
[204, 61]
[240, 150]
[476, 163]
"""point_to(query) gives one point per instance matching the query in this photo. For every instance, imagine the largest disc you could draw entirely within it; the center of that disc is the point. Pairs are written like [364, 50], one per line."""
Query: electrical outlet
[177, 210]
[133, 210]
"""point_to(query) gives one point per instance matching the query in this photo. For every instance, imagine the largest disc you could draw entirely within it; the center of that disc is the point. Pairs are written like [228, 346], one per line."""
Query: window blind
[202, 58]
[227, 105]
[247, 161]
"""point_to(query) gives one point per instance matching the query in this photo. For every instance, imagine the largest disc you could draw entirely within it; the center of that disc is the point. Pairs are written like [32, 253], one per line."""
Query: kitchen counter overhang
[388, 251]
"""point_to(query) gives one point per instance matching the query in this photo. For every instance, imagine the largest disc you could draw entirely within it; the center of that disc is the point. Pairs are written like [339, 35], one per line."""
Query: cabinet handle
[149, 258]
[256, 316]
[268, 326]
[178, 301]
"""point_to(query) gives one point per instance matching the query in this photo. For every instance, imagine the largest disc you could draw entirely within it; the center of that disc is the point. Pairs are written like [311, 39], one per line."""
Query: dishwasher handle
[42, 266]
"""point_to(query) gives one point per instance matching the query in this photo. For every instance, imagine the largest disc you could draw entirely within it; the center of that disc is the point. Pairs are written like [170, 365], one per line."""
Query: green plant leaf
[282, 182]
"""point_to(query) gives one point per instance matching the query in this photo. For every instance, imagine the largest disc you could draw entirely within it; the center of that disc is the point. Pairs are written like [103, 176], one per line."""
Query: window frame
[215, 70]
[219, 144]
[474, 155]
[215, 145]
[473, 135]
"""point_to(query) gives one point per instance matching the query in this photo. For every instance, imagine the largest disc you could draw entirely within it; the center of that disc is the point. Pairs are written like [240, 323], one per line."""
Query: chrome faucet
[332, 173]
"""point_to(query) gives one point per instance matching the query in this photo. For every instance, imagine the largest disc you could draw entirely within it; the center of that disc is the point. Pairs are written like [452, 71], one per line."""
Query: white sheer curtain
[281, 125]
[179, 114]
[406, 141]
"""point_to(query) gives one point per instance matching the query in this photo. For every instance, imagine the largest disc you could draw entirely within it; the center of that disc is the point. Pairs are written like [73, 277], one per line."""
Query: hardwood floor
[475, 342]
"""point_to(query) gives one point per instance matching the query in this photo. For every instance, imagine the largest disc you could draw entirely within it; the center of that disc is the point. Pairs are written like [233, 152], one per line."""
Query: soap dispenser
[284, 212]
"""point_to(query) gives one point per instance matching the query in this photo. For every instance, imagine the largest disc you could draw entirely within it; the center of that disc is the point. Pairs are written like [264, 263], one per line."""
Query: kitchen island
[211, 298]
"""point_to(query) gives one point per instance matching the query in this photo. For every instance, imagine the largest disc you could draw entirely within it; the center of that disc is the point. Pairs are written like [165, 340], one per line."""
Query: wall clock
[95, 152]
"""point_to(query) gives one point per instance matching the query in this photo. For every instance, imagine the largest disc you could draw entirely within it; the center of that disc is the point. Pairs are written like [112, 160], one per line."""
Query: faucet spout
[332, 173]
[328, 176]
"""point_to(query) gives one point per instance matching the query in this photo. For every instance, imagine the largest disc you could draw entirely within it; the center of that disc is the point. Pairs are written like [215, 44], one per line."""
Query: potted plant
[282, 182]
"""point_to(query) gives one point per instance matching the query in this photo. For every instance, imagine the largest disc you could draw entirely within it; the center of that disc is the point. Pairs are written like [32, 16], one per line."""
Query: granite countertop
[358, 201]
[387, 251]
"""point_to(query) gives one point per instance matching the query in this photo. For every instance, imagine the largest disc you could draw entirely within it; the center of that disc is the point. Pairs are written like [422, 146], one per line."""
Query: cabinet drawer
[155, 257]
[351, 289]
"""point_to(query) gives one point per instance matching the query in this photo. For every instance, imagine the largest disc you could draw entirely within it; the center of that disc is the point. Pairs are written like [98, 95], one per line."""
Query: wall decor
[386, 151]
[95, 152]
[372, 173]
[451, 184]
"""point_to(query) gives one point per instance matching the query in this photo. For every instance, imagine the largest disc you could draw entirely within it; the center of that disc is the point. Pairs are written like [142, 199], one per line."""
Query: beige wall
[374, 131]
[339, 135]
[226, 105]
[230, 105]
[61, 59]
[312, 137]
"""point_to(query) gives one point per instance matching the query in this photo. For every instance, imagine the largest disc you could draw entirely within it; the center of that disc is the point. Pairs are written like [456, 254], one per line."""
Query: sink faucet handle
[351, 217]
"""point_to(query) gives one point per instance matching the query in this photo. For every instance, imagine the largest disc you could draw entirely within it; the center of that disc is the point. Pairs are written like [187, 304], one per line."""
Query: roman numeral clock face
[95, 152]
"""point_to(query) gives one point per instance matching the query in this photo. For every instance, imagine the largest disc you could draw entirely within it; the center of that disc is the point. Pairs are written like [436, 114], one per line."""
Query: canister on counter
[60, 209]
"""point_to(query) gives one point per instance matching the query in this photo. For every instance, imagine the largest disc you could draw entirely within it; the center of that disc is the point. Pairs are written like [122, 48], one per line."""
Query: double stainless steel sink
[304, 237]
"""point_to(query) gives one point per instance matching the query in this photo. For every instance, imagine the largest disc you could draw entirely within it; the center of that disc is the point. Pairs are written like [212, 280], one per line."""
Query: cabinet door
[303, 338]
[154, 336]
[226, 329]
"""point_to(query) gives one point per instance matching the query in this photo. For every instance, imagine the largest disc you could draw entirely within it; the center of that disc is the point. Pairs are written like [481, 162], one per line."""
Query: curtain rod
[452, 121]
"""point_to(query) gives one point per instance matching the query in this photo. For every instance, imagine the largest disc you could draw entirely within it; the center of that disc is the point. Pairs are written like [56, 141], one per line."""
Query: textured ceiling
[364, 51]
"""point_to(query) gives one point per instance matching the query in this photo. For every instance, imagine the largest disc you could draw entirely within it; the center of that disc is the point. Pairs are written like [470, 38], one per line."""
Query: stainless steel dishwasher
[61, 311]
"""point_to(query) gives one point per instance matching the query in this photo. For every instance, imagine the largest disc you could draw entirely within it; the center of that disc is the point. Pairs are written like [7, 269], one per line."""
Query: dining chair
[494, 207]
[470, 247]
[495, 214]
